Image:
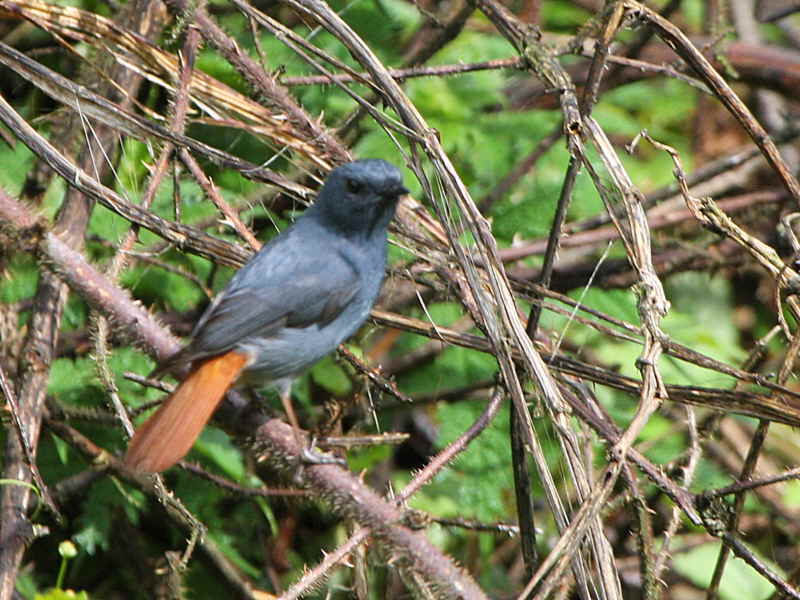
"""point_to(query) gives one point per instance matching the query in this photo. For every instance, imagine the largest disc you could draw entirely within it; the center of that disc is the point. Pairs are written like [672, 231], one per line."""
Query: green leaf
[16, 160]
[329, 375]
[99, 511]
[62, 595]
[487, 459]
[216, 446]
[62, 448]
[26, 586]
[19, 281]
[226, 545]
[739, 581]
[791, 494]
[69, 380]
[94, 534]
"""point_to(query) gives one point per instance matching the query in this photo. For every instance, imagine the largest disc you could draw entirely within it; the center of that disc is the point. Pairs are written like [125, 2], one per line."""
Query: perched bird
[296, 300]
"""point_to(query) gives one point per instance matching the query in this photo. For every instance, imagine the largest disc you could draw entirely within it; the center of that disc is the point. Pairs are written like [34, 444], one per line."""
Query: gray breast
[291, 351]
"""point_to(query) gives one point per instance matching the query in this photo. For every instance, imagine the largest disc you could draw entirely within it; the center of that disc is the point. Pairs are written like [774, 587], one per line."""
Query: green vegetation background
[485, 139]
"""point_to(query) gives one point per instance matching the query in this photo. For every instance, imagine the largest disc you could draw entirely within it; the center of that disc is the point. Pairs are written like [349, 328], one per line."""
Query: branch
[348, 496]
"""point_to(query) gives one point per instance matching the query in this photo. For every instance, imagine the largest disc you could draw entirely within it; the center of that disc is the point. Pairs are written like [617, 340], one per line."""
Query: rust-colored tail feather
[168, 434]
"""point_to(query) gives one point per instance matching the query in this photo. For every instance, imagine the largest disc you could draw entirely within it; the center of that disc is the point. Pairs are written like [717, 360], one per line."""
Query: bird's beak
[393, 193]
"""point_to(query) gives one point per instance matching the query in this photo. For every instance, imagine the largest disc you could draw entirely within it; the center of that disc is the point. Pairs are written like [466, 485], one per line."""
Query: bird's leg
[310, 453]
[286, 400]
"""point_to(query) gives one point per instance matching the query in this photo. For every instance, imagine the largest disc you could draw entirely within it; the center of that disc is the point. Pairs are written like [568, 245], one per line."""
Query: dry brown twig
[40, 345]
[473, 270]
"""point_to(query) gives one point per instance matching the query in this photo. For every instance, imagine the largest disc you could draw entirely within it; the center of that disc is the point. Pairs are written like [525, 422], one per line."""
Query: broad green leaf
[329, 375]
[216, 446]
[739, 581]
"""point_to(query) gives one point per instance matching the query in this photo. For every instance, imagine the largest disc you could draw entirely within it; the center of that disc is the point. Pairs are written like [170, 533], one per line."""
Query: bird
[299, 297]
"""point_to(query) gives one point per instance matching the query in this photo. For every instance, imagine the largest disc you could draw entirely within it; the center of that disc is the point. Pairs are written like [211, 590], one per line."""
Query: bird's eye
[354, 186]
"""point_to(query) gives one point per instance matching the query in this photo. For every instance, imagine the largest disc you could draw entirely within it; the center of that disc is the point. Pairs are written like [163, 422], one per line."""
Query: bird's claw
[314, 456]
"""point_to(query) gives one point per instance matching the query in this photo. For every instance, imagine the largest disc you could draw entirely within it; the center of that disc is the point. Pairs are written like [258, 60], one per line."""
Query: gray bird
[296, 300]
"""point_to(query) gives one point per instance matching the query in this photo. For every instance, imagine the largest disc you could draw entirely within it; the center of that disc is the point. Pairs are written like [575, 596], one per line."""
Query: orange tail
[169, 434]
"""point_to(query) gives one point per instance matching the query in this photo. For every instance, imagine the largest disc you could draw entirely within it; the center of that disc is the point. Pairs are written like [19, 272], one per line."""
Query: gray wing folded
[292, 282]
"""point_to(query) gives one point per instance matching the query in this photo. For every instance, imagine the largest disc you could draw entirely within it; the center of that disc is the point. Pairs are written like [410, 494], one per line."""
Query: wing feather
[284, 285]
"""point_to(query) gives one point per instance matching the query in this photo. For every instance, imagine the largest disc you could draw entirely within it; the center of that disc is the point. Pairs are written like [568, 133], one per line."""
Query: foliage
[722, 302]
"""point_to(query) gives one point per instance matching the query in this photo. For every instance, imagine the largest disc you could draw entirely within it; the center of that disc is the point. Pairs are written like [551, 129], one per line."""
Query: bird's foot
[314, 456]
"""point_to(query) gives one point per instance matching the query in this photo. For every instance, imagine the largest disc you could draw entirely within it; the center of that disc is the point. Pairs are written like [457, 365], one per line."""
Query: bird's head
[359, 198]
